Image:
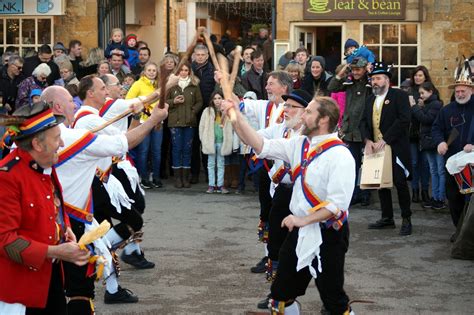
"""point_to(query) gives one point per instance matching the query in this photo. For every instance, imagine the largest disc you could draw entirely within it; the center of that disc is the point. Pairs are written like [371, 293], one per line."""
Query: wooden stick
[226, 85]
[235, 65]
[110, 122]
[212, 53]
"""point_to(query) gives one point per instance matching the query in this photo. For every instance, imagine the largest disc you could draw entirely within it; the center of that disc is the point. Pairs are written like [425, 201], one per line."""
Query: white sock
[111, 284]
[131, 248]
[266, 249]
[293, 309]
[113, 237]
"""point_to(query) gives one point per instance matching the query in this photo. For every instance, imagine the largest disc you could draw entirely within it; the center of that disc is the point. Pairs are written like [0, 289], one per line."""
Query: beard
[307, 130]
[272, 97]
[291, 123]
[378, 90]
[462, 100]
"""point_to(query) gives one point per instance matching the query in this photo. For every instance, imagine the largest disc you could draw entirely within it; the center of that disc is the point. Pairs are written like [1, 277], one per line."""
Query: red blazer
[27, 227]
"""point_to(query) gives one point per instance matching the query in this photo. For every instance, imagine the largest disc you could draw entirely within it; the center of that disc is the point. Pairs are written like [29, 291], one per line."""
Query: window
[396, 43]
[25, 33]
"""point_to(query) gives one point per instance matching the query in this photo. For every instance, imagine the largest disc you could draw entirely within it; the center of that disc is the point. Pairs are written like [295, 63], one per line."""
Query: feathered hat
[462, 74]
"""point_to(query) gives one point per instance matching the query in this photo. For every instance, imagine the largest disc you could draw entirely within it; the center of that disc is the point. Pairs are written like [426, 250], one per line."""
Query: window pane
[408, 33]
[371, 34]
[1, 31]
[28, 31]
[390, 55]
[394, 81]
[44, 31]
[390, 34]
[405, 73]
[13, 31]
[409, 55]
[27, 52]
[375, 50]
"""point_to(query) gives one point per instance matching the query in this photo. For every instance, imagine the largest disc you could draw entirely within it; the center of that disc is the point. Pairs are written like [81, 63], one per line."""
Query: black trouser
[356, 150]
[289, 284]
[385, 194]
[137, 196]
[104, 210]
[77, 282]
[264, 194]
[280, 210]
[56, 303]
[456, 200]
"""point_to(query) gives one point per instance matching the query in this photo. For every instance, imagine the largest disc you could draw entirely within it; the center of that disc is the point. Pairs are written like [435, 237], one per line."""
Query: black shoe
[137, 260]
[194, 179]
[406, 227]
[260, 266]
[425, 196]
[384, 223]
[438, 205]
[121, 296]
[354, 201]
[263, 304]
[415, 196]
[365, 201]
[453, 237]
[428, 204]
[146, 184]
[157, 183]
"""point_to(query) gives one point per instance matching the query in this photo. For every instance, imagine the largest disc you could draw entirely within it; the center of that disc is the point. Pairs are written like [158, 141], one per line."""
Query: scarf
[183, 83]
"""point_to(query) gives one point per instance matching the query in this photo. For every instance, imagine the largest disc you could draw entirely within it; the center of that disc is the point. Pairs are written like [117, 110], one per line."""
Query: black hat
[300, 96]
[29, 120]
[381, 68]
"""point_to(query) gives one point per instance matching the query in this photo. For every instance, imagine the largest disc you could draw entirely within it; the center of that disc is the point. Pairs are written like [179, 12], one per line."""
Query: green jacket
[184, 115]
[356, 94]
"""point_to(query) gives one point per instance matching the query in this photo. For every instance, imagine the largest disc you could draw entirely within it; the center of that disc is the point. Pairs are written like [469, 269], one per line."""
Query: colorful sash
[308, 156]
[80, 115]
[285, 168]
[75, 148]
[82, 215]
[103, 176]
[108, 104]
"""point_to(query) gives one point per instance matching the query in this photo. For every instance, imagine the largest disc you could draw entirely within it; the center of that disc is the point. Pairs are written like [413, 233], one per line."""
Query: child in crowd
[128, 80]
[352, 50]
[131, 41]
[35, 96]
[116, 44]
[216, 142]
[294, 70]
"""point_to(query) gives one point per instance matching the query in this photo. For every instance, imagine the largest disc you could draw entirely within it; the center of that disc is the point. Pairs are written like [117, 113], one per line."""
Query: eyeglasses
[115, 84]
[18, 67]
[289, 106]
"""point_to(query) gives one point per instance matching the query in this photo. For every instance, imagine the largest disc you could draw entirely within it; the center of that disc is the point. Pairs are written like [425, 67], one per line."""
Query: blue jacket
[133, 57]
[111, 46]
[459, 116]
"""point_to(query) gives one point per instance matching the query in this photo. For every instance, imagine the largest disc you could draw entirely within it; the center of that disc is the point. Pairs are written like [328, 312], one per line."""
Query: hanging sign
[31, 7]
[354, 9]
[11, 6]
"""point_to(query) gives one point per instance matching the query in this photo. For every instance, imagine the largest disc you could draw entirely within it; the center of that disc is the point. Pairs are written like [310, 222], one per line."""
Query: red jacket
[27, 227]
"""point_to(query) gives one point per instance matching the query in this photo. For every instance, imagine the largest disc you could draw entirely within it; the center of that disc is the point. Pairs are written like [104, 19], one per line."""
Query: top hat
[381, 68]
[300, 96]
[28, 120]
[462, 75]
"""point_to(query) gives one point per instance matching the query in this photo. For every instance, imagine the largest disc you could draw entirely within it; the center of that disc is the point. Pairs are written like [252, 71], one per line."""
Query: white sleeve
[253, 109]
[268, 133]
[118, 107]
[90, 122]
[107, 145]
[280, 149]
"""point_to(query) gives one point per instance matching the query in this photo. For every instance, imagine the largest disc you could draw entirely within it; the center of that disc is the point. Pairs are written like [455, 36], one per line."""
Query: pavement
[204, 245]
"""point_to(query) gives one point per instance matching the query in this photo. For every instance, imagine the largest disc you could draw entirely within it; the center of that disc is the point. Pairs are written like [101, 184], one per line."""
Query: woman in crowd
[37, 80]
[144, 86]
[89, 66]
[103, 68]
[316, 79]
[294, 71]
[425, 111]
[66, 72]
[185, 101]
[421, 172]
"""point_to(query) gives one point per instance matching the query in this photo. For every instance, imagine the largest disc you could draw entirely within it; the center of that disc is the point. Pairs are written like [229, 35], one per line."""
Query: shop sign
[31, 7]
[354, 9]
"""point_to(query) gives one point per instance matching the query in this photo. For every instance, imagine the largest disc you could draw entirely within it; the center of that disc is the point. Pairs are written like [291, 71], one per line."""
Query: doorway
[323, 41]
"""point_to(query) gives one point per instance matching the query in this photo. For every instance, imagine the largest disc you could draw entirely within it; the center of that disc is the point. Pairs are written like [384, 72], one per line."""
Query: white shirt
[255, 112]
[331, 176]
[118, 107]
[379, 100]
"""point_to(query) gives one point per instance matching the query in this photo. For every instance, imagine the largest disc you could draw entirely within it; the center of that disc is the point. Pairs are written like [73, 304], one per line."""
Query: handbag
[377, 170]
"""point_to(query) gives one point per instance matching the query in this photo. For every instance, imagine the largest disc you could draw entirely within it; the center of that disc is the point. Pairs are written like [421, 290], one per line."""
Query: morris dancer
[323, 171]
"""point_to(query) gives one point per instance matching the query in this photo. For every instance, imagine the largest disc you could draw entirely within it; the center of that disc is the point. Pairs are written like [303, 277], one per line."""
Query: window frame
[20, 44]
[399, 45]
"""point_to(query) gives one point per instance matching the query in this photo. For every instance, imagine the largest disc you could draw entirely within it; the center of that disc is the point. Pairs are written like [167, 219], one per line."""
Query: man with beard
[144, 55]
[323, 172]
[456, 118]
[280, 174]
[386, 121]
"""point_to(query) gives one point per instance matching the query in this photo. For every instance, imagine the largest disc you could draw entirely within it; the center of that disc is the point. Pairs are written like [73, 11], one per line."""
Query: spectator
[116, 67]
[37, 80]
[44, 56]
[216, 142]
[185, 102]
[74, 91]
[302, 57]
[116, 46]
[285, 59]
[67, 74]
[255, 79]
[426, 111]
[141, 44]
[144, 86]
[5, 58]
[89, 66]
[421, 171]
[128, 81]
[144, 55]
[131, 42]
[11, 77]
[316, 79]
[59, 50]
[35, 96]
[262, 37]
[247, 64]
[103, 68]
[294, 71]
[353, 50]
[267, 49]
[75, 55]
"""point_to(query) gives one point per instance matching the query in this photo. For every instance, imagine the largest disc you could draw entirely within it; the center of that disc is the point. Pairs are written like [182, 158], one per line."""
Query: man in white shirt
[323, 171]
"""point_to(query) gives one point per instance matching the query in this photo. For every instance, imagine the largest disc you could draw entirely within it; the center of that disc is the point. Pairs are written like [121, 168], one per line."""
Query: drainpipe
[168, 26]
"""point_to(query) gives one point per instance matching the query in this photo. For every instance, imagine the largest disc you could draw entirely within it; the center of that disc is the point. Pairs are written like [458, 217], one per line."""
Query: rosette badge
[319, 6]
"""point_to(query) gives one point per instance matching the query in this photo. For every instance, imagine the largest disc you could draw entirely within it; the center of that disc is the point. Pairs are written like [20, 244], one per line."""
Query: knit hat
[35, 92]
[351, 43]
[319, 59]
[60, 46]
[130, 36]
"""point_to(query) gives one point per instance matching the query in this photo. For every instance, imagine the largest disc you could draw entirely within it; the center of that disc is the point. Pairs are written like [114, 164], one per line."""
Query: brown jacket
[185, 114]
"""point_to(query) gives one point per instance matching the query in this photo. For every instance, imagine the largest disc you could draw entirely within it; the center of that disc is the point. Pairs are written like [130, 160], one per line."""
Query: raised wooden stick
[227, 87]
[212, 53]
